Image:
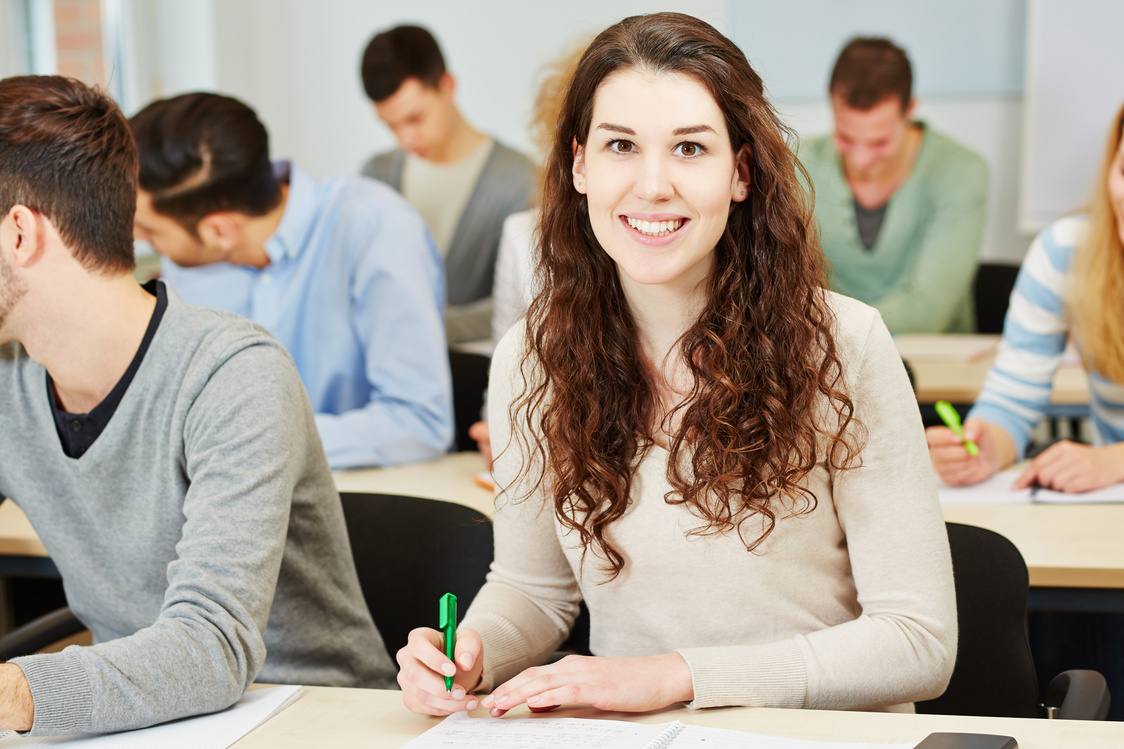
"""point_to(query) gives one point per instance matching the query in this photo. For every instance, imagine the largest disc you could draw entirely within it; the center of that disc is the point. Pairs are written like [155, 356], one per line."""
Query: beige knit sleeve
[526, 608]
[902, 646]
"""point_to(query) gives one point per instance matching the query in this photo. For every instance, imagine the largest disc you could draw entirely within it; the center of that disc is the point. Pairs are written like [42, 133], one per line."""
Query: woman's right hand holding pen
[955, 465]
[423, 668]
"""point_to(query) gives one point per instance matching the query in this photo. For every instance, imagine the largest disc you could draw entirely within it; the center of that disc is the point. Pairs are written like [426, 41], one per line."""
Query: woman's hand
[626, 684]
[423, 668]
[951, 459]
[1071, 467]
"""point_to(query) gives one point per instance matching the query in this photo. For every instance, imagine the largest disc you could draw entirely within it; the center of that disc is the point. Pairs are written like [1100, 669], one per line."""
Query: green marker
[952, 419]
[447, 623]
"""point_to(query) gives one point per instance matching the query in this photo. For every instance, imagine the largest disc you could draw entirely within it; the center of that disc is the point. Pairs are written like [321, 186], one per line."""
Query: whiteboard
[1074, 86]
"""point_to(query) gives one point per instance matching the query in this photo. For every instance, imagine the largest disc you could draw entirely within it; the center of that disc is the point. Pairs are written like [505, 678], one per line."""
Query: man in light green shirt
[900, 208]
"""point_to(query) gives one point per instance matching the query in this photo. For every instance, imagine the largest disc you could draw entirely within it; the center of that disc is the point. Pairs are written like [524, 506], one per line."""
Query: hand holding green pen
[447, 623]
[952, 420]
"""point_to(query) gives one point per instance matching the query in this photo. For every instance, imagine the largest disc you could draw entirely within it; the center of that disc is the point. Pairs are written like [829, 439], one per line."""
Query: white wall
[297, 63]
[13, 39]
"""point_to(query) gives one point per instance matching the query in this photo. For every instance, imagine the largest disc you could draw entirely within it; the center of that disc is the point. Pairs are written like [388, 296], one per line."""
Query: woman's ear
[739, 188]
[579, 167]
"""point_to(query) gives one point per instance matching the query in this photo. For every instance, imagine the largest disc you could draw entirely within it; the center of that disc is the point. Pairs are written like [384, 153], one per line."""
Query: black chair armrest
[1077, 695]
[39, 633]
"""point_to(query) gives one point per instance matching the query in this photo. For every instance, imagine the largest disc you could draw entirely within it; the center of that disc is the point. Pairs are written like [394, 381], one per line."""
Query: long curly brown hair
[767, 402]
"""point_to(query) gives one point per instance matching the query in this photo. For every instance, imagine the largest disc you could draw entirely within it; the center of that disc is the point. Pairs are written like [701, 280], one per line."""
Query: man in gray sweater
[463, 182]
[166, 455]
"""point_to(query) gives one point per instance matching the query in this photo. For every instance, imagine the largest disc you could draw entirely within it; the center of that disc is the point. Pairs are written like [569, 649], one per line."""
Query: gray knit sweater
[200, 538]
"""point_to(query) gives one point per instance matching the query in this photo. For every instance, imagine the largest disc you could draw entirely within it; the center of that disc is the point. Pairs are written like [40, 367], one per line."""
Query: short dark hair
[66, 152]
[870, 70]
[201, 153]
[395, 55]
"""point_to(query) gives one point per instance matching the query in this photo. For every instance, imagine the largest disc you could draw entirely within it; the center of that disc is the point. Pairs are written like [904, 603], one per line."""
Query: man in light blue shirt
[341, 271]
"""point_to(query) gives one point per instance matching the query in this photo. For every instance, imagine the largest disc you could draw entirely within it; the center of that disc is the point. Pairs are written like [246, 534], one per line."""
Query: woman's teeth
[654, 228]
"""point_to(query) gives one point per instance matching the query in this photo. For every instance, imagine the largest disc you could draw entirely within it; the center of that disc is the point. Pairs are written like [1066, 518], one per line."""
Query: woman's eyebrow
[693, 129]
[690, 130]
[616, 128]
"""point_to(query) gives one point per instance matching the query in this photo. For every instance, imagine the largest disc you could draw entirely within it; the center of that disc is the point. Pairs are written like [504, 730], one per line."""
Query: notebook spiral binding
[666, 736]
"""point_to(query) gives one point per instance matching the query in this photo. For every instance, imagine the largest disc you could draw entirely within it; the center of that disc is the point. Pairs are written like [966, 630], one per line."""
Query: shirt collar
[299, 217]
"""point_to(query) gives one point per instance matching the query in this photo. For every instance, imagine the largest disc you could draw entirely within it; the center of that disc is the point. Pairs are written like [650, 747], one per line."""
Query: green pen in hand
[447, 623]
[952, 419]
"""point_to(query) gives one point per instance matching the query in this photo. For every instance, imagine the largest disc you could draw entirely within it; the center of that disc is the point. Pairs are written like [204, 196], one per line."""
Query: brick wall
[78, 36]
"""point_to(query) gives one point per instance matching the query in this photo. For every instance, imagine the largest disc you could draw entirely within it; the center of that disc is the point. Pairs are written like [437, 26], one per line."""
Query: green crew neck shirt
[919, 272]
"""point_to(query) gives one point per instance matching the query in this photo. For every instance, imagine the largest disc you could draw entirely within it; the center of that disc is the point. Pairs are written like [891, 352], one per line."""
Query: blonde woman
[1071, 286]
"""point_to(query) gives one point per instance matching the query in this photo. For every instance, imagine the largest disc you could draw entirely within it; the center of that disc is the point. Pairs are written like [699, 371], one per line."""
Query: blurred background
[1029, 84]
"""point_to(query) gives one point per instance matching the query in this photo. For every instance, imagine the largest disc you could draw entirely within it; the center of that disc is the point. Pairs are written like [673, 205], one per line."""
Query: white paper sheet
[1114, 493]
[214, 731]
[463, 732]
[997, 491]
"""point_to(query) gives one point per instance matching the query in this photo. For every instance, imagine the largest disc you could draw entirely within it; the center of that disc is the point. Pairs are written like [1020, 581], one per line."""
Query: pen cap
[948, 415]
[447, 614]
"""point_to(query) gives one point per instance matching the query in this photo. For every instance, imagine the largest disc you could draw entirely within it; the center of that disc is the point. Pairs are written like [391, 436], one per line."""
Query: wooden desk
[1073, 552]
[21, 551]
[376, 719]
[1067, 548]
[955, 367]
[449, 478]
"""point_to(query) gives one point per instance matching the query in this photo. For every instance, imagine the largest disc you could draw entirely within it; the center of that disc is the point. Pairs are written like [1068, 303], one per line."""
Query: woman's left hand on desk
[1071, 467]
[625, 684]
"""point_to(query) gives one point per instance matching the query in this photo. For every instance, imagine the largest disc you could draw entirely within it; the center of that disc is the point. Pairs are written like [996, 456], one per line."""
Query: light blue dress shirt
[355, 290]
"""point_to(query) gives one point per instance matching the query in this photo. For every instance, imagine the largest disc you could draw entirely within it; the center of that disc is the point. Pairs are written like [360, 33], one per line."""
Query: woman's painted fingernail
[496, 712]
[487, 701]
[501, 699]
[448, 669]
[458, 693]
[472, 704]
[534, 700]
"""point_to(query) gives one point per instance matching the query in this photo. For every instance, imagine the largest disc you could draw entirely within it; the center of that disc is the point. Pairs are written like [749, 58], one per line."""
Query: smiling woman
[659, 175]
[723, 459]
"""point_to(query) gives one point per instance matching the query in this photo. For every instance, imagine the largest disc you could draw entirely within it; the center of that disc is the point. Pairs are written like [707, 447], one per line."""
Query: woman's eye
[622, 146]
[688, 149]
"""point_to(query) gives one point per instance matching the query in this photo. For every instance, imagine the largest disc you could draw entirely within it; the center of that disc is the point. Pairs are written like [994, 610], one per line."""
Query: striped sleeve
[1017, 389]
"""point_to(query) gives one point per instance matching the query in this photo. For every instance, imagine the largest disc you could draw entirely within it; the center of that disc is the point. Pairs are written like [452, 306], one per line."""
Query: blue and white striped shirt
[1017, 389]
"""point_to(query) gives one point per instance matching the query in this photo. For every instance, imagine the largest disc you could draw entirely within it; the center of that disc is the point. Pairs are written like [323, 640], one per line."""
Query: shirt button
[76, 426]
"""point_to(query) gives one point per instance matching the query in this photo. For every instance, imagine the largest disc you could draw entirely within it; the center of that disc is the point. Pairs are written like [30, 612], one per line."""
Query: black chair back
[992, 292]
[470, 382]
[994, 673]
[411, 551]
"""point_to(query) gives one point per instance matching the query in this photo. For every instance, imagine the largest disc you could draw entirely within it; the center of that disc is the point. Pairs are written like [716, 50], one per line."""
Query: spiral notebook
[463, 732]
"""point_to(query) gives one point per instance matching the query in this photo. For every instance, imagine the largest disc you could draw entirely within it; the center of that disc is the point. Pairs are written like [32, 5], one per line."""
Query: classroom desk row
[1073, 552]
[376, 719]
[954, 367]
